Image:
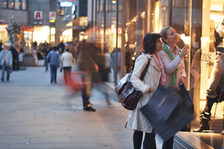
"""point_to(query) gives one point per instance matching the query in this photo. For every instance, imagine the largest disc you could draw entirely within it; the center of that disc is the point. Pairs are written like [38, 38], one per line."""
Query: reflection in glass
[4, 3]
[17, 4]
[11, 4]
[24, 5]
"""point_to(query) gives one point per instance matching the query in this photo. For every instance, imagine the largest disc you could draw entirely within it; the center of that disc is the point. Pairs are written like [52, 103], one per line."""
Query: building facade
[40, 20]
[194, 20]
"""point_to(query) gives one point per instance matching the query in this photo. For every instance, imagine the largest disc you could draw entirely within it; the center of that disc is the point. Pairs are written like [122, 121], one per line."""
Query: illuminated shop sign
[66, 4]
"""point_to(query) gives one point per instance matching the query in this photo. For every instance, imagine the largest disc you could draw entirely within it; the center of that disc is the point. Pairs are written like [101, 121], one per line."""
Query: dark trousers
[7, 69]
[148, 143]
[67, 73]
[46, 63]
[87, 87]
[54, 73]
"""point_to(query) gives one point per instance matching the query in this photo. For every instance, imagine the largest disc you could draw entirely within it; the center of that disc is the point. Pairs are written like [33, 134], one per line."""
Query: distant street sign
[38, 15]
[52, 15]
[66, 0]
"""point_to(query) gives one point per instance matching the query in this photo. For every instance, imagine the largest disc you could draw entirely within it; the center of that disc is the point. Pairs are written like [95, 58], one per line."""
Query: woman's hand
[181, 80]
[184, 51]
[149, 90]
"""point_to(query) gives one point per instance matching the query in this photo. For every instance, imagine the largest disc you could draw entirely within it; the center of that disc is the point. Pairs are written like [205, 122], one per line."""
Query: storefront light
[216, 7]
[186, 39]
[134, 19]
[143, 15]
[127, 24]
[3, 28]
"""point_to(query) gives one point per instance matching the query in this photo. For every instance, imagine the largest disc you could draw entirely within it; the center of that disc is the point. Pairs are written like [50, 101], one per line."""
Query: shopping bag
[75, 81]
[169, 112]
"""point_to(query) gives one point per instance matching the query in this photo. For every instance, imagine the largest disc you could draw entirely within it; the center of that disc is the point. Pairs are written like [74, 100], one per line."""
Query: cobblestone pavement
[35, 114]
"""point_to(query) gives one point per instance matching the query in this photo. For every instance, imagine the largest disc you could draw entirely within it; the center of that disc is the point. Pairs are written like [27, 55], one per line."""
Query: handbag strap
[144, 71]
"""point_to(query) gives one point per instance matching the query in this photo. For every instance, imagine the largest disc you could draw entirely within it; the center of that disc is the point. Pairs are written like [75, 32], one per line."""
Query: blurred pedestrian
[172, 59]
[6, 61]
[154, 76]
[113, 59]
[54, 60]
[15, 58]
[1, 46]
[61, 47]
[46, 50]
[103, 63]
[21, 53]
[88, 66]
[66, 64]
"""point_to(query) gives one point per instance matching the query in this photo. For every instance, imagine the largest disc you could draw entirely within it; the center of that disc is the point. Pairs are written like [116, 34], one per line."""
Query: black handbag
[127, 94]
[169, 111]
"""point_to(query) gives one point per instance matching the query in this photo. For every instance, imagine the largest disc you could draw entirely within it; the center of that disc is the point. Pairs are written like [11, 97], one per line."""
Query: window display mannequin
[216, 82]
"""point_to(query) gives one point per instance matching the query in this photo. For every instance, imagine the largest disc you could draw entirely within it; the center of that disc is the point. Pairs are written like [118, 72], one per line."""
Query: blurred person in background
[102, 76]
[113, 60]
[1, 46]
[66, 64]
[61, 47]
[54, 61]
[15, 58]
[6, 61]
[87, 64]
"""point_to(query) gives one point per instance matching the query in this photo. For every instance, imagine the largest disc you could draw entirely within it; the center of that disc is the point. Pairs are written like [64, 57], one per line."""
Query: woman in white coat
[154, 76]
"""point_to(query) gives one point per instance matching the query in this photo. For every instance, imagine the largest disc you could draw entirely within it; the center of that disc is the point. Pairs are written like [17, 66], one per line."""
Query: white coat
[66, 59]
[136, 120]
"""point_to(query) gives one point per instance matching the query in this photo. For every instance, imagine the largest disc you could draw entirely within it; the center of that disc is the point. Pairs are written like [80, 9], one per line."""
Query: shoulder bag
[127, 94]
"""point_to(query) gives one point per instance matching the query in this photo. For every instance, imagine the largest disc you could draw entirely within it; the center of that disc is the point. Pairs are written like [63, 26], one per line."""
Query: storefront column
[195, 45]
[205, 47]
[125, 5]
[139, 29]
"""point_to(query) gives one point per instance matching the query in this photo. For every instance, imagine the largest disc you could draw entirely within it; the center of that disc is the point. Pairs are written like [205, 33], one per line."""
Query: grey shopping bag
[169, 111]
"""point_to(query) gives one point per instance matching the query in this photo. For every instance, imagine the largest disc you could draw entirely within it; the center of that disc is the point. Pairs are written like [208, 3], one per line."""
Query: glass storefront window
[113, 5]
[100, 5]
[17, 4]
[4, 3]
[24, 4]
[14, 4]
[11, 4]
[108, 5]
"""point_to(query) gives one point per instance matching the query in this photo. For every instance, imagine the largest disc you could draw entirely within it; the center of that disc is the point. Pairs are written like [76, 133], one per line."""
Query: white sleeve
[139, 67]
[170, 66]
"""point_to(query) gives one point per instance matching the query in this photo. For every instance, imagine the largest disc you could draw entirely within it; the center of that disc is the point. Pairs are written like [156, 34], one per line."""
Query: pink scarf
[161, 68]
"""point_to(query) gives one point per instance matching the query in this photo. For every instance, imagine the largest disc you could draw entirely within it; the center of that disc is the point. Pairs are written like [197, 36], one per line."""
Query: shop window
[120, 5]
[114, 7]
[14, 4]
[18, 4]
[100, 5]
[108, 5]
[24, 4]
[4, 3]
[11, 4]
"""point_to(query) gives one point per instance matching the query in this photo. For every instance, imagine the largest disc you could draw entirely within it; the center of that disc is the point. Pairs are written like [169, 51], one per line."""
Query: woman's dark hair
[149, 42]
[163, 33]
